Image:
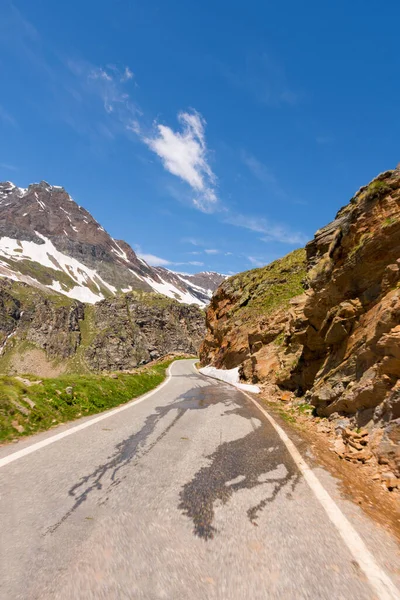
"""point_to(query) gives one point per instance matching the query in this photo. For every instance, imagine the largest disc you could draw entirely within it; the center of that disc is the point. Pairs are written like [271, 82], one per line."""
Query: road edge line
[6, 460]
[378, 579]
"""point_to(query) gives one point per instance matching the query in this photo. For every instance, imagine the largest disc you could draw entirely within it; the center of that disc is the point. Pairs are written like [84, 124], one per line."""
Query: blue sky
[212, 135]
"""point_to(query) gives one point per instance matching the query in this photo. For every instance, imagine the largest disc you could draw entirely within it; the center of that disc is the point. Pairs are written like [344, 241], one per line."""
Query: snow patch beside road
[230, 376]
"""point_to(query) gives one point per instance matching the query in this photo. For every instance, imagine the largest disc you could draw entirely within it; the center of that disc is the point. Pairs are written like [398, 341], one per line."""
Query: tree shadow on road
[259, 458]
[247, 457]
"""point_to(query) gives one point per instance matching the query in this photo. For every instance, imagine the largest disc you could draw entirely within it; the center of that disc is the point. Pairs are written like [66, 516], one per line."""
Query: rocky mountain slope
[336, 345]
[248, 312]
[48, 241]
[47, 334]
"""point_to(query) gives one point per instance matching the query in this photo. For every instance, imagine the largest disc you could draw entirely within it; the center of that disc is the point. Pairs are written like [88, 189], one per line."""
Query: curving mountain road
[188, 493]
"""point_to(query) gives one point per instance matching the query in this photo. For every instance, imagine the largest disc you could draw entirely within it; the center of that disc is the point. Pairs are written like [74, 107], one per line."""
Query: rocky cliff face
[48, 240]
[48, 334]
[338, 343]
[134, 329]
[247, 317]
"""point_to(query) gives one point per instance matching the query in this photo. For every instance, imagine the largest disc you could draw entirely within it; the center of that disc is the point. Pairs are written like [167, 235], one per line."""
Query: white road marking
[382, 584]
[59, 436]
[378, 579]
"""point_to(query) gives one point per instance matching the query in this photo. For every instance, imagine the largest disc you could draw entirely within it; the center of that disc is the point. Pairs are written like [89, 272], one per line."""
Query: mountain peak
[49, 240]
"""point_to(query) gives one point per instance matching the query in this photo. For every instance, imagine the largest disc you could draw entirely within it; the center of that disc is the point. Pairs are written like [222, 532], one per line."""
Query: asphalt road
[190, 493]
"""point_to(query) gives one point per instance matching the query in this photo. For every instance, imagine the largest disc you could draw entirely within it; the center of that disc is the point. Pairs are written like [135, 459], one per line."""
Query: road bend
[190, 493]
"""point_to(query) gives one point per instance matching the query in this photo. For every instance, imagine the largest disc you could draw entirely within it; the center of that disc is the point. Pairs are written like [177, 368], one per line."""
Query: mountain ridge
[47, 239]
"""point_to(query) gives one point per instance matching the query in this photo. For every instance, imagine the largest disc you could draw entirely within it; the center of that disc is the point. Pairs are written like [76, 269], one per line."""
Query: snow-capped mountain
[47, 240]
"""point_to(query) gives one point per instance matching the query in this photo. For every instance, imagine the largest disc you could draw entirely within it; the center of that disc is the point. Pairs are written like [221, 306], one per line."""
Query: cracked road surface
[190, 493]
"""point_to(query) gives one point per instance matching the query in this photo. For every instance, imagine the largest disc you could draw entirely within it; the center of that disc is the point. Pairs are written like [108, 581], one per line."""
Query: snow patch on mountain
[48, 256]
[78, 292]
[196, 287]
[168, 289]
[44, 232]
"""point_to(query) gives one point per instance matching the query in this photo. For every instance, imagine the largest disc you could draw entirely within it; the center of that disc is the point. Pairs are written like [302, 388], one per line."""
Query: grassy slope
[266, 289]
[53, 405]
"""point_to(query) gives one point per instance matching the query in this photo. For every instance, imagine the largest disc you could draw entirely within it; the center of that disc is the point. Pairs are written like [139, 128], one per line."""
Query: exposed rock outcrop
[47, 334]
[338, 343]
[248, 317]
[133, 330]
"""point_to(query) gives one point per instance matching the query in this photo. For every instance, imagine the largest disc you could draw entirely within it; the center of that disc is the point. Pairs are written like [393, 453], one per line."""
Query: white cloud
[127, 74]
[154, 261]
[211, 251]
[257, 262]
[157, 261]
[184, 154]
[272, 232]
[108, 84]
[133, 125]
[110, 90]
[100, 73]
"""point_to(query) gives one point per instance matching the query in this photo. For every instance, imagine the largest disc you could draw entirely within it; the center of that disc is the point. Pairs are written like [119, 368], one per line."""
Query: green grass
[377, 188]
[149, 298]
[389, 221]
[362, 241]
[45, 275]
[53, 405]
[304, 407]
[284, 414]
[77, 363]
[278, 341]
[290, 413]
[261, 291]
[28, 295]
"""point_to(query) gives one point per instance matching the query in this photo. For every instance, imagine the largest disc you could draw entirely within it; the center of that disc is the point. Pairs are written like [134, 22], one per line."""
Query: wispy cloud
[265, 175]
[193, 241]
[77, 90]
[203, 244]
[184, 154]
[258, 169]
[157, 261]
[107, 84]
[70, 89]
[154, 261]
[127, 74]
[99, 102]
[114, 96]
[8, 167]
[272, 232]
[256, 261]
